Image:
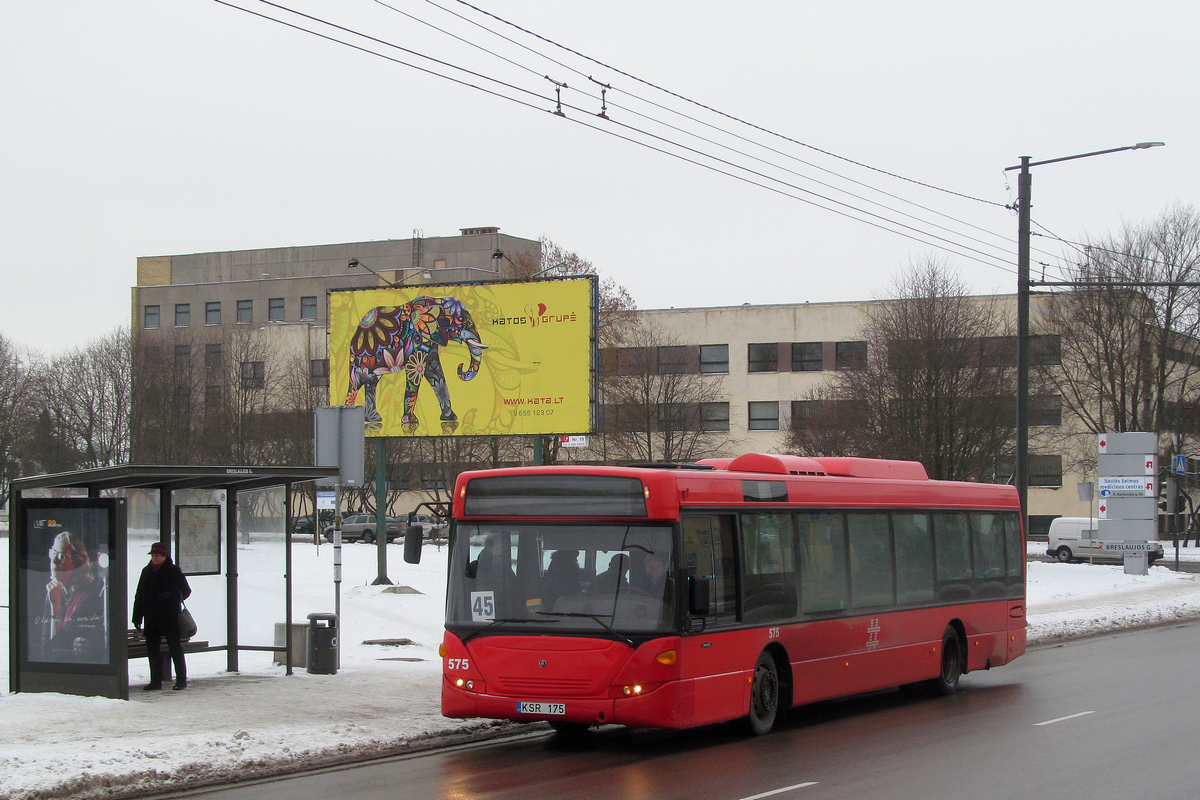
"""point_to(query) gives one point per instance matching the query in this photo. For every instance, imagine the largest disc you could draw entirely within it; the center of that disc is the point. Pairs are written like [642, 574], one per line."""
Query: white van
[1076, 538]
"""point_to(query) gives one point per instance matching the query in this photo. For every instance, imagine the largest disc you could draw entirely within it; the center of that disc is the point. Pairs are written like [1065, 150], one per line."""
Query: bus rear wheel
[946, 683]
[764, 695]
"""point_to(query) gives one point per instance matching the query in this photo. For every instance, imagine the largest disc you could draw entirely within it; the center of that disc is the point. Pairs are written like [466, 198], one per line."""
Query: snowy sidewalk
[384, 700]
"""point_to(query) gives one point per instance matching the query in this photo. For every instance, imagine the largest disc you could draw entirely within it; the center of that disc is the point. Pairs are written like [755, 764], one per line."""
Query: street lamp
[1024, 186]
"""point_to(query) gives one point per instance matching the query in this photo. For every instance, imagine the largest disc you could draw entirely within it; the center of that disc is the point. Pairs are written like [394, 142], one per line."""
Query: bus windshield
[609, 580]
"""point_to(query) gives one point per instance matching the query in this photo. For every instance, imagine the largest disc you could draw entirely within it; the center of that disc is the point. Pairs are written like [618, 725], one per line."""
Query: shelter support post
[231, 581]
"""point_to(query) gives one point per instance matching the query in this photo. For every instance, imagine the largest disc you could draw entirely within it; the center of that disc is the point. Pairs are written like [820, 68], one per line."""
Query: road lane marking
[780, 791]
[1063, 719]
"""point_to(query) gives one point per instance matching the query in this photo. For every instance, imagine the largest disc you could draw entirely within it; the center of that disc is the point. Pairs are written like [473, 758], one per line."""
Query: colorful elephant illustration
[407, 339]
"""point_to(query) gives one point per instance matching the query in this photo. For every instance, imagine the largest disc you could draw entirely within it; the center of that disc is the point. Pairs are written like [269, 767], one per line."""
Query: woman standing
[161, 590]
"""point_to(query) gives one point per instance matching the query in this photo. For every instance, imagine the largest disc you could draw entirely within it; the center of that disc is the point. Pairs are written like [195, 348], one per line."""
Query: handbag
[187, 625]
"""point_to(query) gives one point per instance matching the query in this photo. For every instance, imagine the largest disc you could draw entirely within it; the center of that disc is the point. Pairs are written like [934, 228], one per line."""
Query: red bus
[732, 588]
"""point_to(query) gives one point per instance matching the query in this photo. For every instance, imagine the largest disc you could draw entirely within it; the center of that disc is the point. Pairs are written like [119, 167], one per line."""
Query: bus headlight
[634, 689]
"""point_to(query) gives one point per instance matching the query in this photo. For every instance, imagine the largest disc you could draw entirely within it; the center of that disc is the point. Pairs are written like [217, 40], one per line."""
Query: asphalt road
[1111, 717]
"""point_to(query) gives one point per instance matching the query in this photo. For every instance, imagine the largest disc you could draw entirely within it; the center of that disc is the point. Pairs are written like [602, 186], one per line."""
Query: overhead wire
[722, 113]
[705, 123]
[880, 221]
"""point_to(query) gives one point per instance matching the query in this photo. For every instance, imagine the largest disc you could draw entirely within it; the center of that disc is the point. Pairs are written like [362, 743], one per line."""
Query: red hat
[158, 549]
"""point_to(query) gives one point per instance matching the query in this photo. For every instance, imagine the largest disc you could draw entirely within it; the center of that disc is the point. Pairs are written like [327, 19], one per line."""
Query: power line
[947, 244]
[706, 124]
[724, 114]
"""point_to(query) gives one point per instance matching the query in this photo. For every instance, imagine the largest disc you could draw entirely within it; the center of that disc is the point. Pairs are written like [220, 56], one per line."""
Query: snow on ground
[384, 698]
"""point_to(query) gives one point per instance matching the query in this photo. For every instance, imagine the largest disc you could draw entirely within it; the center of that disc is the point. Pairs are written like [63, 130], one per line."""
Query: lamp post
[1024, 188]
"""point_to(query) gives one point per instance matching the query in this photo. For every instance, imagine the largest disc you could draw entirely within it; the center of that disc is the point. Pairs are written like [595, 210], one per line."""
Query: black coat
[160, 593]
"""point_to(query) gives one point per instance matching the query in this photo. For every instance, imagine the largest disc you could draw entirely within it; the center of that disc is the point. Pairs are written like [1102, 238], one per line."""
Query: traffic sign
[1181, 465]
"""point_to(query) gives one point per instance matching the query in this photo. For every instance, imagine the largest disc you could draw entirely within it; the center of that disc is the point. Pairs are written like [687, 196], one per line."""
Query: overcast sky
[142, 127]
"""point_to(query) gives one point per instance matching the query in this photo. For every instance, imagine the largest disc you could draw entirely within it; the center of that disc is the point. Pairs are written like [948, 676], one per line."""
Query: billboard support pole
[381, 539]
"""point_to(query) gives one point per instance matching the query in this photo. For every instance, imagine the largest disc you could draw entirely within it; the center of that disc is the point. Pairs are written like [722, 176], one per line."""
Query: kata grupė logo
[535, 314]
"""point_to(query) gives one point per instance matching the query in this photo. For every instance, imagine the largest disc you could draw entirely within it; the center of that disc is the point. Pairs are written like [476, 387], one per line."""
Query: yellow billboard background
[534, 345]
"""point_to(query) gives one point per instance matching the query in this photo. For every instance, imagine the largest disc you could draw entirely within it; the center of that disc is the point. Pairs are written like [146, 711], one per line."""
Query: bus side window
[769, 567]
[952, 549]
[914, 558]
[822, 561]
[708, 550]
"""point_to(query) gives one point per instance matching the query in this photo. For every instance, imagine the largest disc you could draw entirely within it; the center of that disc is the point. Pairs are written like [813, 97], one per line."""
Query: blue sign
[1181, 465]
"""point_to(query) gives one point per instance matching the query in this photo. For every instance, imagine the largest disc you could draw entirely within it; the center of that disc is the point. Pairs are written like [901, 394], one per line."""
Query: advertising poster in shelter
[63, 571]
[478, 359]
[198, 539]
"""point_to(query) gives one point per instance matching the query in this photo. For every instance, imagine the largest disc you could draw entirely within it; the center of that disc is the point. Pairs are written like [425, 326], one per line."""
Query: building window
[275, 309]
[806, 357]
[802, 412]
[183, 401]
[212, 313]
[1045, 410]
[245, 312]
[714, 417]
[308, 308]
[672, 360]
[432, 478]
[763, 357]
[150, 317]
[1045, 471]
[212, 356]
[714, 359]
[633, 360]
[183, 356]
[212, 399]
[183, 315]
[318, 372]
[254, 374]
[851, 355]
[764, 416]
[998, 351]
[1045, 350]
[676, 416]
[439, 263]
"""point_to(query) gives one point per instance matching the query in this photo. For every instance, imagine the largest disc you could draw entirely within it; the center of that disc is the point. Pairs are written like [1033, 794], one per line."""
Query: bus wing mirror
[414, 537]
[698, 595]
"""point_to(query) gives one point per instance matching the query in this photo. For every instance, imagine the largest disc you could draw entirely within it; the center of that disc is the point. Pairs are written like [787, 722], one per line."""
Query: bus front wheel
[946, 683]
[764, 695]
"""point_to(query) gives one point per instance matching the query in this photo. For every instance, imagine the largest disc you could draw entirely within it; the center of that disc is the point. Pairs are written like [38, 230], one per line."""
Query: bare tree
[1130, 350]
[164, 388]
[18, 402]
[654, 402]
[86, 393]
[935, 385]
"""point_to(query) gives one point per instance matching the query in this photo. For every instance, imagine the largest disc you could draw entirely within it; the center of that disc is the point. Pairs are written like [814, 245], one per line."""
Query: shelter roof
[156, 476]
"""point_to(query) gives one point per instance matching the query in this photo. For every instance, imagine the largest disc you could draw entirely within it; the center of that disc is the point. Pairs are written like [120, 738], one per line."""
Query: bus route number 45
[483, 606]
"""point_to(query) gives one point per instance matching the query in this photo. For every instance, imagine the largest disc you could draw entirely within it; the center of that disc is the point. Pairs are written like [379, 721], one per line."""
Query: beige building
[765, 358]
[769, 356]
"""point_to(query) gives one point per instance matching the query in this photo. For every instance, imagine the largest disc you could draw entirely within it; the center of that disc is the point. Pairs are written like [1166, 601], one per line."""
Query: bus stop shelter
[69, 566]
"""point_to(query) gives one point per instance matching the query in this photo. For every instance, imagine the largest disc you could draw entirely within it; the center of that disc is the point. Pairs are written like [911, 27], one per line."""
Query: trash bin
[322, 643]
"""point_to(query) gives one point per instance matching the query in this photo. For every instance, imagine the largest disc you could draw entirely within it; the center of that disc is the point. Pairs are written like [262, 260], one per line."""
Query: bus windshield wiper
[478, 631]
[597, 618]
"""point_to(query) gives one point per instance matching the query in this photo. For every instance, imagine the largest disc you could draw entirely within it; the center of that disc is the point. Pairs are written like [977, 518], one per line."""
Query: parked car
[1077, 538]
[432, 527]
[361, 528]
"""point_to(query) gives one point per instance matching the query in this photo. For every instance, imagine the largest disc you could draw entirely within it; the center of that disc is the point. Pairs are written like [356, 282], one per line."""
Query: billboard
[68, 596]
[479, 359]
